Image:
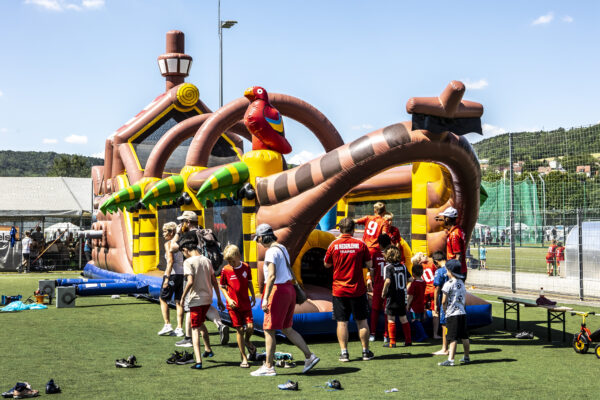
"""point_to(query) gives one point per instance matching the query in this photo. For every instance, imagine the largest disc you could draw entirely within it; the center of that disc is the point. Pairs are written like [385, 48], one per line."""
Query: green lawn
[77, 347]
[528, 259]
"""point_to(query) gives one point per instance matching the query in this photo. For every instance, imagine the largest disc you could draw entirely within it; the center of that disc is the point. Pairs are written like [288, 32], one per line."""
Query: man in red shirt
[455, 243]
[374, 225]
[348, 256]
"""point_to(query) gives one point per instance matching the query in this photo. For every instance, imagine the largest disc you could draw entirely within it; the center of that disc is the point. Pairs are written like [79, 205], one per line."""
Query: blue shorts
[442, 313]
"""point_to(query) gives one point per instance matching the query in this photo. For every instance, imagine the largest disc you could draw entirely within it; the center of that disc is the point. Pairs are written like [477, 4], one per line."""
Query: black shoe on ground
[52, 388]
[224, 334]
[130, 362]
[344, 356]
[367, 355]
[196, 366]
[390, 345]
[174, 357]
[208, 354]
[407, 344]
[186, 358]
[289, 385]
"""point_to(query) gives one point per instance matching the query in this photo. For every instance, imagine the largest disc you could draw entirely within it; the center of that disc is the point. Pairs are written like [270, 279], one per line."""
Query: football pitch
[527, 259]
[78, 348]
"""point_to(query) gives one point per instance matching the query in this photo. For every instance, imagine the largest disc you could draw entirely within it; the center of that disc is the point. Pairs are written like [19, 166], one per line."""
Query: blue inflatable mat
[20, 306]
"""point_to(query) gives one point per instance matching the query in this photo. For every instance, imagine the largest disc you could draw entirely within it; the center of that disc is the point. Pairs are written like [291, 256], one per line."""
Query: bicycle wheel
[580, 343]
[597, 350]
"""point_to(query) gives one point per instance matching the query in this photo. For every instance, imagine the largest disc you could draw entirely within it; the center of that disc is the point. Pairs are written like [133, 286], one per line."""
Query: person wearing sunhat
[278, 301]
[455, 243]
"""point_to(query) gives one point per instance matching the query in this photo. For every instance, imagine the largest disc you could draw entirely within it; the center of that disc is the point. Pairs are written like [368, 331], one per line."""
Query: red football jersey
[393, 233]
[378, 264]
[456, 244]
[417, 290]
[551, 253]
[237, 281]
[373, 226]
[428, 275]
[348, 256]
[560, 253]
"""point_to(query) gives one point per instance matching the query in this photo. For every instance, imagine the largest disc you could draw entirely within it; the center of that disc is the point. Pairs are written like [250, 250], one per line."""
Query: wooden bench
[555, 314]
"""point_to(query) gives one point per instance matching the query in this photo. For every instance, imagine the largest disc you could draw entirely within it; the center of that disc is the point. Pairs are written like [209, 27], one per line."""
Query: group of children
[434, 285]
[556, 254]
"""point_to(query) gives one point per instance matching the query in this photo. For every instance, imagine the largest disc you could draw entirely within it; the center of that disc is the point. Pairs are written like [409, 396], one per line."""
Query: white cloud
[76, 139]
[302, 157]
[98, 155]
[362, 127]
[1, 93]
[49, 141]
[61, 5]
[477, 85]
[491, 130]
[568, 19]
[543, 19]
[3, 130]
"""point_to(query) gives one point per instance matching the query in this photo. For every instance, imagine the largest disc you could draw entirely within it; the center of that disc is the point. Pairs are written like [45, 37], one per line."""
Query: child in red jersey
[374, 225]
[550, 258]
[416, 293]
[390, 230]
[375, 282]
[236, 280]
[560, 256]
[394, 291]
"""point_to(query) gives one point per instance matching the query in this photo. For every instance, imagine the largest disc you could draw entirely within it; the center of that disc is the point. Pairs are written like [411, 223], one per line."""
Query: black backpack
[211, 248]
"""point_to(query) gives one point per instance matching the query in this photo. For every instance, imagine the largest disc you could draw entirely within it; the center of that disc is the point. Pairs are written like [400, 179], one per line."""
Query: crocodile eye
[259, 91]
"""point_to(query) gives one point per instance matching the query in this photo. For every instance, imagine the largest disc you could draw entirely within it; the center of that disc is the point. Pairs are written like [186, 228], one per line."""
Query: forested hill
[45, 163]
[541, 144]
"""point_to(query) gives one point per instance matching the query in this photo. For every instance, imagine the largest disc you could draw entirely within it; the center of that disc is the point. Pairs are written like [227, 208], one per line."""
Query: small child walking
[416, 293]
[236, 281]
[482, 257]
[394, 291]
[454, 296]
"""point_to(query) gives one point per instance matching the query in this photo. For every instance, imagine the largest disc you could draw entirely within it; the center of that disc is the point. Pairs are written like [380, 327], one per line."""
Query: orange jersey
[373, 226]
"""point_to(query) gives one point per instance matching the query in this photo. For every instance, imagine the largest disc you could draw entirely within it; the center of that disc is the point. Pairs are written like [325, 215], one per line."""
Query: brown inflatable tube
[447, 105]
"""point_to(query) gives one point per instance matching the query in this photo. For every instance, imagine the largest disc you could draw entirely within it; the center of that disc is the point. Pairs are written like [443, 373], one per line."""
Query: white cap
[449, 212]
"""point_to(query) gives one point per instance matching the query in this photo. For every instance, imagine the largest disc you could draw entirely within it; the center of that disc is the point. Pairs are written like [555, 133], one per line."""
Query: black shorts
[395, 306]
[344, 306]
[457, 328]
[174, 288]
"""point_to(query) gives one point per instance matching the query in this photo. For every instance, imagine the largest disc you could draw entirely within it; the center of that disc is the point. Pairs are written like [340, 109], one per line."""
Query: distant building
[584, 169]
[544, 170]
[518, 167]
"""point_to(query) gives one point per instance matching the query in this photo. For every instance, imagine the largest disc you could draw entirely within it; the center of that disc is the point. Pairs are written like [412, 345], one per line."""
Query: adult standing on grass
[198, 292]
[26, 250]
[348, 256]
[455, 243]
[278, 301]
[189, 223]
[172, 286]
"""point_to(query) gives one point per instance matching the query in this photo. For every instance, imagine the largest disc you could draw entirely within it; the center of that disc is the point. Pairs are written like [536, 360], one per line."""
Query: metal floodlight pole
[543, 201]
[513, 268]
[226, 25]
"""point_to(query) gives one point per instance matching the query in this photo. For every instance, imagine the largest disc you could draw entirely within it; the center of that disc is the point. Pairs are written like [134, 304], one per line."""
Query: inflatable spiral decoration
[188, 95]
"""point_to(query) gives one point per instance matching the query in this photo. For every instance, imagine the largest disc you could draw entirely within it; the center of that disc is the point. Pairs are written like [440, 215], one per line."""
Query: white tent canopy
[62, 226]
[45, 197]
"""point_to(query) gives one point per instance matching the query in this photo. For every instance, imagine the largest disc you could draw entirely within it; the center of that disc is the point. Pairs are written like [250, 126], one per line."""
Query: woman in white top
[172, 286]
[278, 301]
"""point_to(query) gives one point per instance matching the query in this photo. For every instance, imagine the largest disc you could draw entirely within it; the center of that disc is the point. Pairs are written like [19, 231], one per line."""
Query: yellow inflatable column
[135, 253]
[148, 241]
[260, 163]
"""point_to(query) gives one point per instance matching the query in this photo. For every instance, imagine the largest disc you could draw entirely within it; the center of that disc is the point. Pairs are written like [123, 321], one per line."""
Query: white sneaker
[264, 371]
[166, 330]
[179, 332]
[310, 362]
[371, 338]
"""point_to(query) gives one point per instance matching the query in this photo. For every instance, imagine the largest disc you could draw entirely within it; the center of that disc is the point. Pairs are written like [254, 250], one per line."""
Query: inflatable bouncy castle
[177, 155]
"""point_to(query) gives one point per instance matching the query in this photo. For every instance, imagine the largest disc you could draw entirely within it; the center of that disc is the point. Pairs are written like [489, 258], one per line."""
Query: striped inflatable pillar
[249, 228]
[148, 241]
[135, 242]
[420, 176]
[343, 207]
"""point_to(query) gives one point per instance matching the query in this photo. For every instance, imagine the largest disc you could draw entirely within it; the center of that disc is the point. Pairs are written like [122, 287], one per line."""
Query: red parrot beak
[249, 93]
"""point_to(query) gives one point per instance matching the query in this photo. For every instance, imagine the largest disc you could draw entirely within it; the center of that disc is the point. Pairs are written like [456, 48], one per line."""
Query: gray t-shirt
[456, 294]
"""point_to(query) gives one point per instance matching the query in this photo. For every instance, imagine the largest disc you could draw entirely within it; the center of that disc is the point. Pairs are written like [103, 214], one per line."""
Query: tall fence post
[513, 267]
[580, 252]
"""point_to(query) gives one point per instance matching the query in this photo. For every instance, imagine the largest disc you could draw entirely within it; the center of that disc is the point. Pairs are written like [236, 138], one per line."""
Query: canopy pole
[79, 242]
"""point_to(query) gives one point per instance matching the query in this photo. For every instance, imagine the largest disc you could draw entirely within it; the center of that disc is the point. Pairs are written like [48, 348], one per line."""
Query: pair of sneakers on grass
[309, 364]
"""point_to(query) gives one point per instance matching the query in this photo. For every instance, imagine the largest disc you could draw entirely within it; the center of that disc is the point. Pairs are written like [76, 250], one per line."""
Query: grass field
[77, 347]
[528, 259]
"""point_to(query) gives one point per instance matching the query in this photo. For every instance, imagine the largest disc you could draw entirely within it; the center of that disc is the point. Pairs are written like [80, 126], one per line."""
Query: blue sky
[74, 71]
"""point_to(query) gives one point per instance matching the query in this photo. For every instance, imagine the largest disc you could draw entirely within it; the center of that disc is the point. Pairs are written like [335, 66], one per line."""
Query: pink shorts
[282, 303]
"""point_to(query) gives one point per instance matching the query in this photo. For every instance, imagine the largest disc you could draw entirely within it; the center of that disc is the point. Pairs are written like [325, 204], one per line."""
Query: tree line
[46, 163]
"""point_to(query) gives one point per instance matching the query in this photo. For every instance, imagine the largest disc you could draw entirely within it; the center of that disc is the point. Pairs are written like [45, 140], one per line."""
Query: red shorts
[429, 300]
[198, 315]
[240, 317]
[282, 302]
[549, 258]
[378, 302]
